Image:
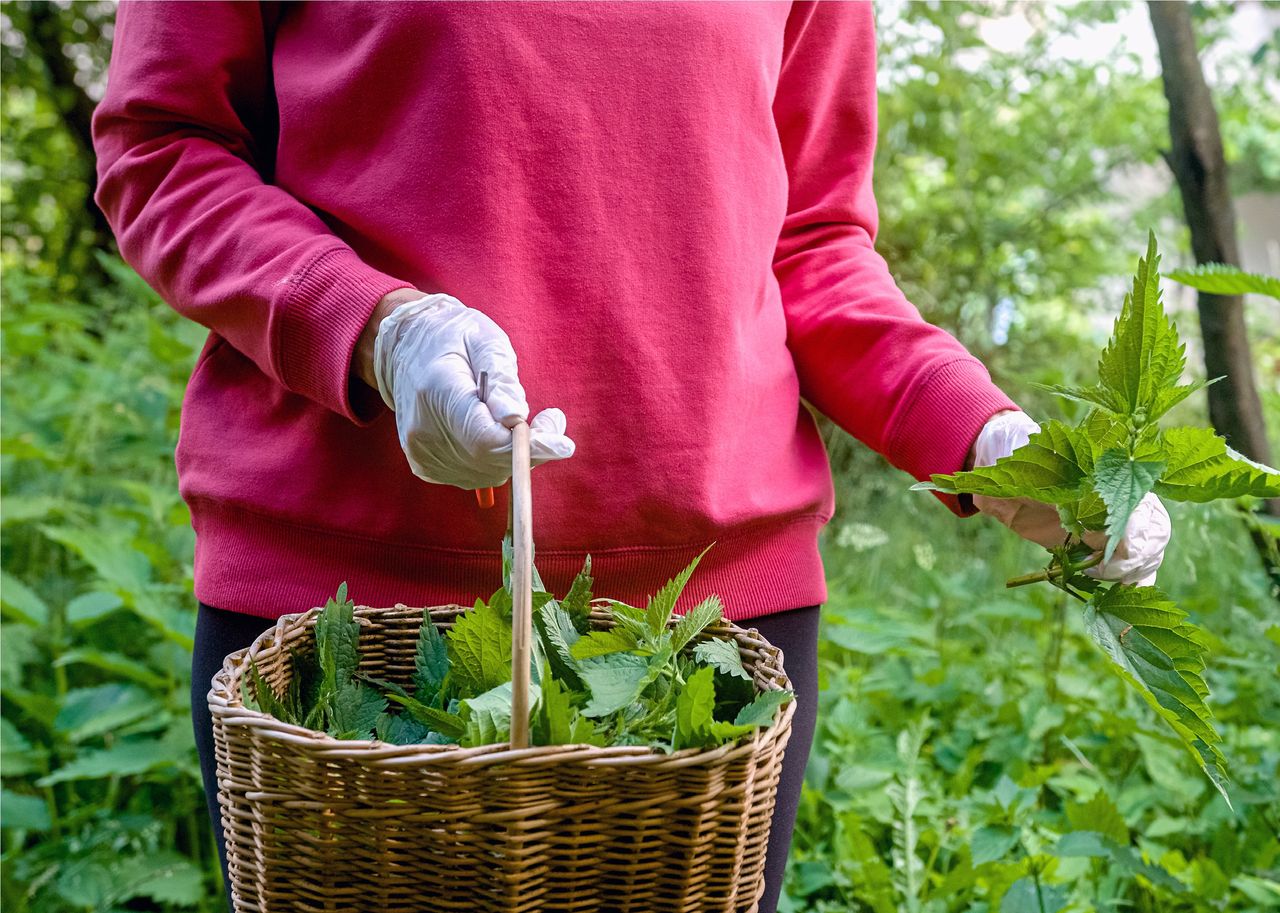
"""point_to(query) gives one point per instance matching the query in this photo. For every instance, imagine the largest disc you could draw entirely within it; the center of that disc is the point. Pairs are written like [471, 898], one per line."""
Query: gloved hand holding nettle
[428, 355]
[1146, 535]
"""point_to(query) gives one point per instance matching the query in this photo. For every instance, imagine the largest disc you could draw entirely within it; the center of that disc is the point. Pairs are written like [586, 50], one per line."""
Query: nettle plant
[1096, 471]
[655, 678]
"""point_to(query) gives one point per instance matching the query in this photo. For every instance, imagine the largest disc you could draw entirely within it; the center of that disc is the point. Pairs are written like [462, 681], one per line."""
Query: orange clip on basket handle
[484, 496]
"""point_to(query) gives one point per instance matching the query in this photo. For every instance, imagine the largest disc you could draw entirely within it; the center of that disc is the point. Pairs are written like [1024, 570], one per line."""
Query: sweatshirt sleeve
[183, 137]
[864, 355]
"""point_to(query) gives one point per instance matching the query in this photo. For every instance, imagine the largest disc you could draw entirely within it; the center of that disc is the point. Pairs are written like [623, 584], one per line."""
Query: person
[665, 208]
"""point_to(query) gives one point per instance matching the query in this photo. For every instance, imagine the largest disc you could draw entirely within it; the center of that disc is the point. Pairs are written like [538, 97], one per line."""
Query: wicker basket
[316, 823]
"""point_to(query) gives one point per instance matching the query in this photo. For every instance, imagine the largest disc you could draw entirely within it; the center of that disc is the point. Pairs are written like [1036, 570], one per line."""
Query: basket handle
[521, 582]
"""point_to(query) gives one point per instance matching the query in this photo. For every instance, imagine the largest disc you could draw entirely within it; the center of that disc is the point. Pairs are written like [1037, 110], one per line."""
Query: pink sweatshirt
[667, 206]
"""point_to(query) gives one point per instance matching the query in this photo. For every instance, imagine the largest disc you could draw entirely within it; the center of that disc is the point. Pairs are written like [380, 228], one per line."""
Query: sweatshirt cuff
[321, 321]
[937, 429]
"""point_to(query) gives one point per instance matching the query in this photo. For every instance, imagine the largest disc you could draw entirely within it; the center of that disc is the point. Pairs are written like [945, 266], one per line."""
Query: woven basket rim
[225, 701]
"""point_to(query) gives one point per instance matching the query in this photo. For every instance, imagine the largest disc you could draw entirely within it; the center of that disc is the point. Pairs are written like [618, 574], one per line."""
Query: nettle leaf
[1223, 279]
[1050, 467]
[723, 655]
[614, 680]
[389, 687]
[1168, 398]
[553, 717]
[558, 634]
[1162, 656]
[690, 625]
[491, 713]
[629, 619]
[356, 709]
[485, 727]
[447, 724]
[306, 681]
[1087, 514]
[1143, 356]
[1121, 482]
[400, 729]
[496, 699]
[165, 877]
[585, 733]
[1093, 844]
[1097, 395]
[430, 662]
[256, 694]
[480, 648]
[602, 643]
[760, 711]
[660, 607]
[1201, 467]
[694, 709]
[577, 602]
[337, 641]
[659, 662]
[500, 603]
[719, 731]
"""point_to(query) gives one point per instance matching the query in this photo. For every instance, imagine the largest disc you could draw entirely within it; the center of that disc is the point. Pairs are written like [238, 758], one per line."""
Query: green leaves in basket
[761, 710]
[699, 618]
[694, 709]
[256, 694]
[480, 648]
[615, 681]
[604, 642]
[660, 607]
[356, 708]
[401, 729]
[1096, 473]
[577, 602]
[430, 664]
[696, 725]
[348, 708]
[449, 725]
[723, 655]
[337, 642]
[654, 679]
[558, 635]
[324, 691]
[557, 720]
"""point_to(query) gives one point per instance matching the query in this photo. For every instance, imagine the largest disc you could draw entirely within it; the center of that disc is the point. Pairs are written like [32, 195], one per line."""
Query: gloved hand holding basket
[515, 820]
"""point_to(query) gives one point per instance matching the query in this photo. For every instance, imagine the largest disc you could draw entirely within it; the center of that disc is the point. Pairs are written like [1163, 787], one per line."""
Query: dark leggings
[795, 632]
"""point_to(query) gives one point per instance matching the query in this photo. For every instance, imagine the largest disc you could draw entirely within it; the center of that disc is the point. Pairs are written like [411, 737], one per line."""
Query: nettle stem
[1056, 571]
[1027, 579]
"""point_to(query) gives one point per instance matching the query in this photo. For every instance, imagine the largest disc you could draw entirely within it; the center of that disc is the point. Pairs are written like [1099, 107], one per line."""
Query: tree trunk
[1200, 168]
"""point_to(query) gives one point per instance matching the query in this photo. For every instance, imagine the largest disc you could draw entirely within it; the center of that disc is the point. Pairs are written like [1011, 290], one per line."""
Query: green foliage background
[974, 753]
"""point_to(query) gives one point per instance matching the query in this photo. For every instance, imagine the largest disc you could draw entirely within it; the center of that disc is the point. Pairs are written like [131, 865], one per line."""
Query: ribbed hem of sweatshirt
[938, 427]
[323, 317]
[250, 564]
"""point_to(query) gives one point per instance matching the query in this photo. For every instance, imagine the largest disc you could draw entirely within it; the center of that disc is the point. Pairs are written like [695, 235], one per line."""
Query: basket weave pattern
[318, 824]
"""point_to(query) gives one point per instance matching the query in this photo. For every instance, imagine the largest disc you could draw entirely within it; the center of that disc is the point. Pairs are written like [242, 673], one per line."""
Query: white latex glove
[427, 359]
[1146, 535]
